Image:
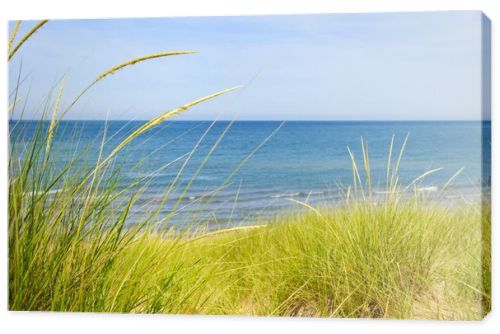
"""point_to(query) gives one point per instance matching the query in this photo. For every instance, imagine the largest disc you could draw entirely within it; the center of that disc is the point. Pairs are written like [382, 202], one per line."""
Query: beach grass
[70, 249]
[402, 256]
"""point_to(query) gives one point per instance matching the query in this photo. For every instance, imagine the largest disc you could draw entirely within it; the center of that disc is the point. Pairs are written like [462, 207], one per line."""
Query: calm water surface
[303, 160]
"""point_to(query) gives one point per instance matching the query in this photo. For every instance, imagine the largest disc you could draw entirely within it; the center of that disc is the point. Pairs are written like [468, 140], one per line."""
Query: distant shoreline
[263, 121]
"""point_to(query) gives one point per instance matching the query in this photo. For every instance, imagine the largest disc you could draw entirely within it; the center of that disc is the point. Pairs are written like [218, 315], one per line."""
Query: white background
[37, 322]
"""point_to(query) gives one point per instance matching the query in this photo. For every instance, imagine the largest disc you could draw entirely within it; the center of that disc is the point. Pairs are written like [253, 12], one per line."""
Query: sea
[223, 173]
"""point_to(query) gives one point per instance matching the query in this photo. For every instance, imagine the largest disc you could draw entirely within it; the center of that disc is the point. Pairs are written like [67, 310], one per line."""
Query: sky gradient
[395, 66]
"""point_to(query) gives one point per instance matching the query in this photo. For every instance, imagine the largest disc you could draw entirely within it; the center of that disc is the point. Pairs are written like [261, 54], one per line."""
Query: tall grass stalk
[23, 40]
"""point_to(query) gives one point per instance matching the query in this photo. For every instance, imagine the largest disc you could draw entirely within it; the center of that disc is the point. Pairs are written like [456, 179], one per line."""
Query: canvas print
[329, 165]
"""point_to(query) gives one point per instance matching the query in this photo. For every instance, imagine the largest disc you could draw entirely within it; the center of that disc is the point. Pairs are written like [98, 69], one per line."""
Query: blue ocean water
[246, 177]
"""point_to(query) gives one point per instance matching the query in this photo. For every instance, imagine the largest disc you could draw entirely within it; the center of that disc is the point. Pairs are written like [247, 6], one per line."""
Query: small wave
[314, 193]
[422, 189]
[382, 192]
[205, 178]
[298, 193]
[429, 189]
[50, 192]
[149, 176]
[285, 195]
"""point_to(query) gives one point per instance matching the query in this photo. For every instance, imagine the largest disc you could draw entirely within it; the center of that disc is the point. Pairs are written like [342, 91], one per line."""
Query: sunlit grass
[70, 249]
[400, 256]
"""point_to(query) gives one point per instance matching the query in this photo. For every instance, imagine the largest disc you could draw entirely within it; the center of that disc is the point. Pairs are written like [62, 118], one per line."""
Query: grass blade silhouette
[120, 66]
[169, 114]
[26, 37]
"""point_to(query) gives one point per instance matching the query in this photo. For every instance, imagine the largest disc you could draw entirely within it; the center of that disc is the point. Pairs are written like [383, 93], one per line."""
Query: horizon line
[262, 120]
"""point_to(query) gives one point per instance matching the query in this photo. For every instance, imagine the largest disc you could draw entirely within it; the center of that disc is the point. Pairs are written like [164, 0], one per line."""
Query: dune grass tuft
[400, 257]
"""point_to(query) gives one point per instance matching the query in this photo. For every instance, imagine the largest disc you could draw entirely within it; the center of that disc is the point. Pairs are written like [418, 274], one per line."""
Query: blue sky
[393, 66]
